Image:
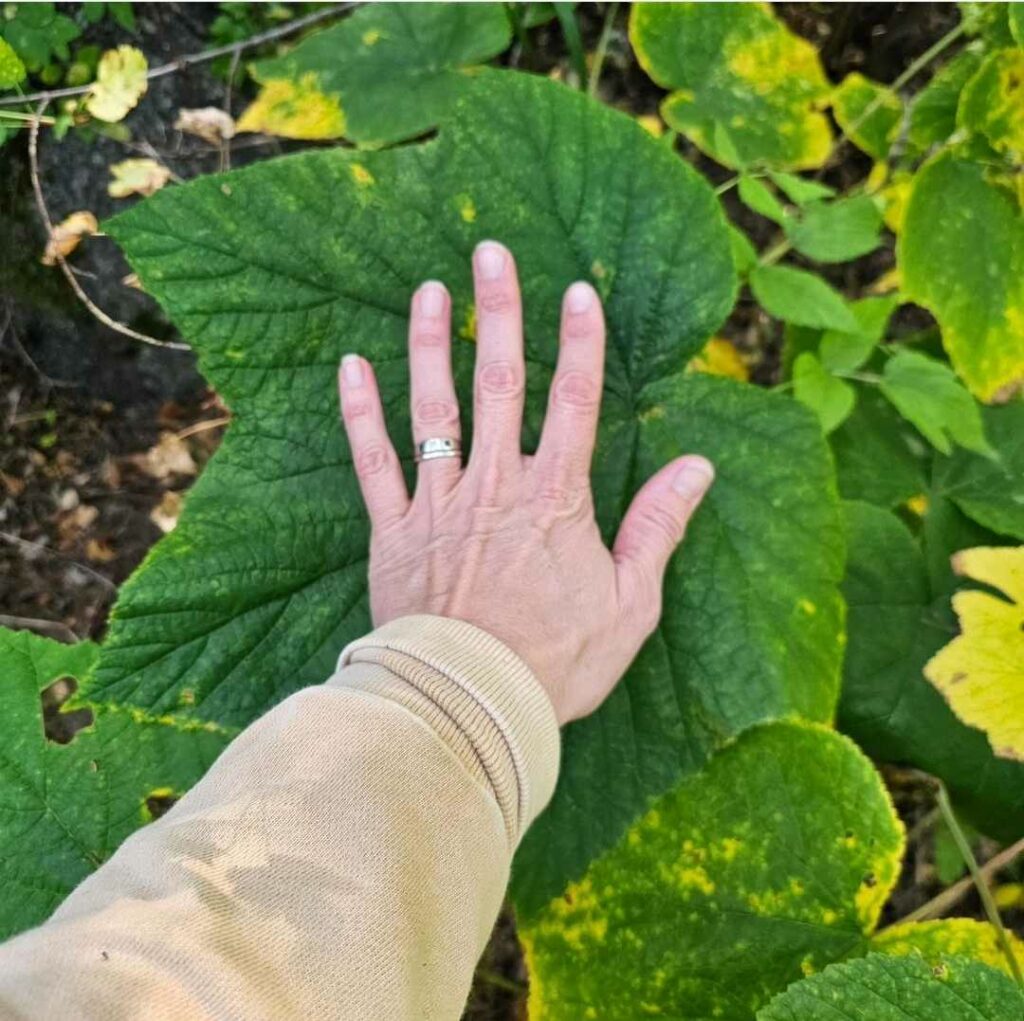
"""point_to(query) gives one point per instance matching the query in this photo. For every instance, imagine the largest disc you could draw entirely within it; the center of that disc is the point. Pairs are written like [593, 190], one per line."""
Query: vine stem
[916, 66]
[180, 63]
[44, 215]
[602, 48]
[980, 882]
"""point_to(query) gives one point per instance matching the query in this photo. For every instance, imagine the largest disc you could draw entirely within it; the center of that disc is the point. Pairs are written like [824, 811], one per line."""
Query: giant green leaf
[64, 808]
[990, 490]
[746, 90]
[390, 70]
[897, 619]
[274, 271]
[768, 865]
[882, 988]
[961, 253]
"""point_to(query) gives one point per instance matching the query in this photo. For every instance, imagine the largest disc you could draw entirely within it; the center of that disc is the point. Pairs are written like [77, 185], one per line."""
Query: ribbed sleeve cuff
[483, 700]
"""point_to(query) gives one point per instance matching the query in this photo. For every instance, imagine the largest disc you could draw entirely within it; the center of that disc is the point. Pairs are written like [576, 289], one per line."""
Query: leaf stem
[964, 847]
[727, 185]
[773, 255]
[571, 31]
[602, 48]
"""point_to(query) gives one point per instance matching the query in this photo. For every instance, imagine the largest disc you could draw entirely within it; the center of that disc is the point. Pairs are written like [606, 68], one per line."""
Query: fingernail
[352, 370]
[490, 260]
[693, 478]
[431, 300]
[579, 297]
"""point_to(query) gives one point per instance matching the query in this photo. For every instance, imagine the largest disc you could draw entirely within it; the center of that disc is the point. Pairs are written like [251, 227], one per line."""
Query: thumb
[654, 525]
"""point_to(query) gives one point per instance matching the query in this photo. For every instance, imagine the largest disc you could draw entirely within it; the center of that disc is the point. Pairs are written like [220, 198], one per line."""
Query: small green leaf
[744, 254]
[756, 195]
[882, 988]
[934, 109]
[800, 190]
[845, 352]
[927, 393]
[1015, 13]
[12, 70]
[736, 69]
[38, 33]
[390, 75]
[869, 114]
[992, 102]
[837, 231]
[64, 808]
[830, 398]
[796, 296]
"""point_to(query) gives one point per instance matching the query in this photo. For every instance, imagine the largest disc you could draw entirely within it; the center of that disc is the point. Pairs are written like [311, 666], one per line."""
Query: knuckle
[579, 328]
[661, 523]
[355, 411]
[428, 338]
[433, 412]
[371, 461]
[648, 613]
[576, 390]
[500, 379]
[497, 302]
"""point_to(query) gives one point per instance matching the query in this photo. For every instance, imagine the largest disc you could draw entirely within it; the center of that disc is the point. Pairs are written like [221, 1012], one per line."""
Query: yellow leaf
[65, 235]
[209, 123]
[981, 672]
[120, 83]
[652, 124]
[294, 110]
[137, 177]
[719, 357]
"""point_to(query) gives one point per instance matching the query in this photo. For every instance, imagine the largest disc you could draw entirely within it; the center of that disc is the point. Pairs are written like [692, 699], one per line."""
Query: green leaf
[882, 988]
[391, 75]
[756, 195]
[896, 621]
[12, 70]
[978, 300]
[800, 190]
[65, 808]
[1015, 16]
[264, 579]
[837, 231]
[830, 398]
[875, 434]
[988, 20]
[38, 33]
[845, 352]
[936, 940]
[773, 861]
[990, 490]
[869, 114]
[992, 102]
[744, 254]
[934, 109]
[738, 69]
[928, 394]
[796, 296]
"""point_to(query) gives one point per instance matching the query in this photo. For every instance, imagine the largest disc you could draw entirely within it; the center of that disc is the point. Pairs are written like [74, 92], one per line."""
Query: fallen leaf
[120, 84]
[165, 514]
[137, 177]
[71, 525]
[132, 280]
[99, 551]
[169, 456]
[65, 236]
[208, 122]
[981, 672]
[14, 486]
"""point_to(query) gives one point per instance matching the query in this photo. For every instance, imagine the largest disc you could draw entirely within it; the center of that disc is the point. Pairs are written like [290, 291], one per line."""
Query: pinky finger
[373, 456]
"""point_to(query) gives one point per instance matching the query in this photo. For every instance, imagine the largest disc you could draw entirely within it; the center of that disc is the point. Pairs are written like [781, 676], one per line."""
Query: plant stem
[964, 847]
[571, 32]
[727, 185]
[26, 118]
[773, 255]
[602, 48]
[180, 63]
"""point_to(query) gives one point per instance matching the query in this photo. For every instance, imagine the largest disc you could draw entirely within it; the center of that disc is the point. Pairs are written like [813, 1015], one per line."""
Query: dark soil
[81, 405]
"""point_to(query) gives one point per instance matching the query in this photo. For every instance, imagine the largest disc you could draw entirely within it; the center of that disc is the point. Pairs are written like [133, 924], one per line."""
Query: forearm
[346, 856]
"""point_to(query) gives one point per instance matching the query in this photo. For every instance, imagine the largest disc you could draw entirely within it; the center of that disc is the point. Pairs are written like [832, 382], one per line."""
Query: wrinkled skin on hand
[509, 542]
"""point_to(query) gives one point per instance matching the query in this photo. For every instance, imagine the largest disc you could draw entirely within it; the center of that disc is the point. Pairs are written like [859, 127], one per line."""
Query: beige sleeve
[345, 857]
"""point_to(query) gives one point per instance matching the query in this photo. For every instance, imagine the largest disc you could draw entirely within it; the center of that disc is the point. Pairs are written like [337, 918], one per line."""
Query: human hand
[509, 543]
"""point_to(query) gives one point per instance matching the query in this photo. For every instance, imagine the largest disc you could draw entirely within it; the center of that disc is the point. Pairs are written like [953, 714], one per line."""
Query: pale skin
[509, 542]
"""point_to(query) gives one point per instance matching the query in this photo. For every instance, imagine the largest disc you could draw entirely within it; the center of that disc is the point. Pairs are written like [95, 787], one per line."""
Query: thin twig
[38, 547]
[602, 48]
[980, 882]
[203, 426]
[181, 63]
[941, 903]
[44, 214]
[49, 628]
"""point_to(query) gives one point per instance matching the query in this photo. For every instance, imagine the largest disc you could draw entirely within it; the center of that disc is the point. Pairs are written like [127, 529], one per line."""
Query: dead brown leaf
[169, 456]
[208, 122]
[165, 514]
[65, 235]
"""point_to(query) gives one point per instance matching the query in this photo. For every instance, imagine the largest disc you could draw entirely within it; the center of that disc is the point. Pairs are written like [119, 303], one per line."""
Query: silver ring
[437, 446]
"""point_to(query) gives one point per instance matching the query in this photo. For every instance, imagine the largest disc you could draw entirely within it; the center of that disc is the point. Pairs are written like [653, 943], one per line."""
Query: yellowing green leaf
[981, 672]
[934, 109]
[142, 176]
[12, 70]
[868, 113]
[294, 109]
[747, 91]
[978, 298]
[992, 102]
[933, 940]
[719, 357]
[120, 84]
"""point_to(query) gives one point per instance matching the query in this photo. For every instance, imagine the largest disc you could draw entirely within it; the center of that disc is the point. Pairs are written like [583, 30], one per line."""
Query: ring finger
[435, 409]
